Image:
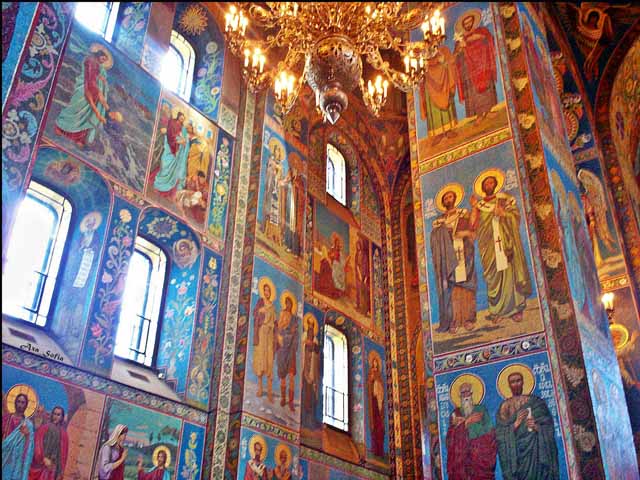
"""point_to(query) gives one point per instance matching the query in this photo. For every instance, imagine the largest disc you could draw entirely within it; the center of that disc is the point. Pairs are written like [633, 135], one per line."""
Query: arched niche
[91, 200]
[184, 257]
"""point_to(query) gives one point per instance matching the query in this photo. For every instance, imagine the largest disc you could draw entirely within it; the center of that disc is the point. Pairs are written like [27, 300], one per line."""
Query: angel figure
[595, 23]
[595, 208]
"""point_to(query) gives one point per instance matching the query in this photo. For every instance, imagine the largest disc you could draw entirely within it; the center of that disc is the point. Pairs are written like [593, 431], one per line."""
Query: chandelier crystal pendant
[326, 42]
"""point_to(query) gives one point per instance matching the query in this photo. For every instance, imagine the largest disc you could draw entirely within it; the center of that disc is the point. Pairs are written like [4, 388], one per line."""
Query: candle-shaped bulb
[607, 300]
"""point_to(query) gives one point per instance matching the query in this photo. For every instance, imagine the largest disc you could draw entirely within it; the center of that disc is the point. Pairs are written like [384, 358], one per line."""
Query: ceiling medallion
[325, 44]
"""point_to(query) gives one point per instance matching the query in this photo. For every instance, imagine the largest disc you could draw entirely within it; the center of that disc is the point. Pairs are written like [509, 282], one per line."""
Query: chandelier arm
[400, 80]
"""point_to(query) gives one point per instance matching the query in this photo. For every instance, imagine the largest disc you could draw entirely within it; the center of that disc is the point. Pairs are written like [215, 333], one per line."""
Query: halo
[31, 394]
[619, 335]
[305, 320]
[502, 382]
[266, 281]
[491, 172]
[335, 235]
[373, 354]
[96, 47]
[475, 13]
[287, 294]
[272, 143]
[282, 448]
[449, 187]
[161, 448]
[252, 443]
[95, 216]
[477, 386]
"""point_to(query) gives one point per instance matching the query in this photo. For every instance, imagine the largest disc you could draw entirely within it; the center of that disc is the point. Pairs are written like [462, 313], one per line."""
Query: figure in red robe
[476, 65]
[256, 468]
[51, 448]
[330, 281]
[158, 472]
[376, 408]
[471, 440]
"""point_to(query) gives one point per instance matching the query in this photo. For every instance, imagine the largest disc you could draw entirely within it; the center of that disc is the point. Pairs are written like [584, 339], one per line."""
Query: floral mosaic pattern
[131, 28]
[180, 300]
[201, 30]
[100, 336]
[200, 365]
[220, 186]
[24, 108]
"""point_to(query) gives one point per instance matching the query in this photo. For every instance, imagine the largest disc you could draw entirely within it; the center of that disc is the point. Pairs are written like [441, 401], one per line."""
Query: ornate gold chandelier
[326, 42]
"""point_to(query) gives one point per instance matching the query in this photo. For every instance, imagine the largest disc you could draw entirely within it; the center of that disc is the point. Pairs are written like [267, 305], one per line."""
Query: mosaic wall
[79, 426]
[102, 162]
[313, 265]
[453, 193]
[144, 161]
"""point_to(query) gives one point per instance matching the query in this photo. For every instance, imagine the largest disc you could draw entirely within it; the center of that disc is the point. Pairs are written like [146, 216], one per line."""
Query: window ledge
[340, 444]
[32, 339]
[141, 378]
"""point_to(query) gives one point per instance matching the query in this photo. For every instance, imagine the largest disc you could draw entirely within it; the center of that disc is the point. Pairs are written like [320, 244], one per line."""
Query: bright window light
[34, 254]
[141, 302]
[178, 65]
[335, 379]
[336, 174]
[99, 17]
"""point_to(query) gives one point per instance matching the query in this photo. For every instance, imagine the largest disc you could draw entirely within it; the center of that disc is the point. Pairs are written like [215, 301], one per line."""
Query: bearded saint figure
[471, 440]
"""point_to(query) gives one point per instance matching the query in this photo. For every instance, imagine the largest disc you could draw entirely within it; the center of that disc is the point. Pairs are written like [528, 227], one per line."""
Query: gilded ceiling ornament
[193, 20]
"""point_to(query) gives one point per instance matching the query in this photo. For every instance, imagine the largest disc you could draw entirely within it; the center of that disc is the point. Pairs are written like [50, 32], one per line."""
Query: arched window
[99, 17]
[34, 254]
[178, 65]
[335, 381]
[336, 174]
[141, 303]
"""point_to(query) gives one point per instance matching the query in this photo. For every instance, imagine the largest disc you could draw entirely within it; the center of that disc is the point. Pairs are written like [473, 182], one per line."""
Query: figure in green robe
[496, 219]
[525, 433]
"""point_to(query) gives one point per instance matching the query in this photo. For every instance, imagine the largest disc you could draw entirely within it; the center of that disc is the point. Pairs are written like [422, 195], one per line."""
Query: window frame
[334, 421]
[183, 49]
[162, 287]
[337, 182]
[65, 214]
[110, 22]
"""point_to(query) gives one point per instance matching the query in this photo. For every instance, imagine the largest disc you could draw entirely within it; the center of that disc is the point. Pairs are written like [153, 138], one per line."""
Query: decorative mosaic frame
[319, 457]
[411, 451]
[226, 423]
[28, 99]
[66, 374]
[560, 320]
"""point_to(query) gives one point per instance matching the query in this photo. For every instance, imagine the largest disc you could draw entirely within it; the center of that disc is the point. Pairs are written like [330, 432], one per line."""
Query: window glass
[336, 379]
[99, 17]
[34, 254]
[178, 65]
[141, 302]
[336, 174]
